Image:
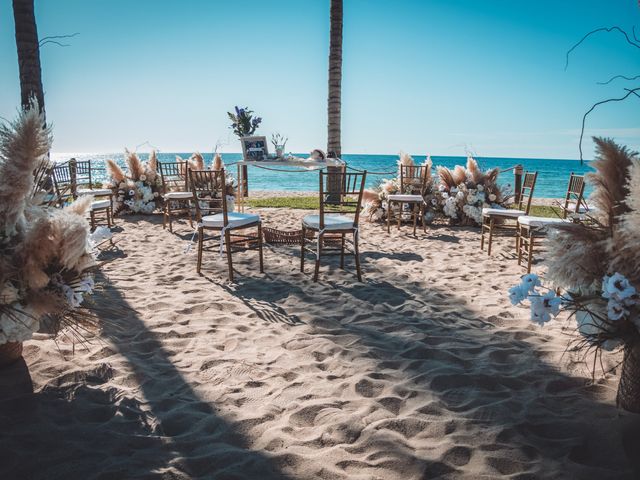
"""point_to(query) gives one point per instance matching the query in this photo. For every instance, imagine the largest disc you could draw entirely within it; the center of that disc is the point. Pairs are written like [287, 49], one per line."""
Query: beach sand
[423, 371]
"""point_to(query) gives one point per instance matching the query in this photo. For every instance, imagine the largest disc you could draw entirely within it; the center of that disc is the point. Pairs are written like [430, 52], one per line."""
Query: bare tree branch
[603, 29]
[42, 44]
[52, 39]
[593, 107]
[618, 76]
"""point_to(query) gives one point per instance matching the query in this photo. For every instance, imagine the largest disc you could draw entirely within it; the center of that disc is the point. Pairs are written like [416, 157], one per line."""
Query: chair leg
[200, 247]
[342, 253]
[415, 218]
[260, 247]
[423, 212]
[490, 235]
[400, 215]
[189, 214]
[482, 228]
[169, 215]
[302, 242]
[164, 216]
[520, 244]
[227, 239]
[388, 216]
[356, 253]
[92, 215]
[530, 259]
[318, 254]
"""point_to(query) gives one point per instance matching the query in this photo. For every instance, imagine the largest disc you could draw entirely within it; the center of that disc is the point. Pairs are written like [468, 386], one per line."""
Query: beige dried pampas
[115, 172]
[152, 167]
[473, 171]
[446, 177]
[459, 174]
[23, 143]
[196, 161]
[612, 164]
[217, 162]
[624, 246]
[136, 168]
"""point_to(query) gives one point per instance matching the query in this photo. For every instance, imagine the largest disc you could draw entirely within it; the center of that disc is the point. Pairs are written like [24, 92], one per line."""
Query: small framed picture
[254, 149]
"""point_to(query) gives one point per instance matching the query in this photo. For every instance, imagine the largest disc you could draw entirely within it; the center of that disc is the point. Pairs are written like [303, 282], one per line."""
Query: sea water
[553, 175]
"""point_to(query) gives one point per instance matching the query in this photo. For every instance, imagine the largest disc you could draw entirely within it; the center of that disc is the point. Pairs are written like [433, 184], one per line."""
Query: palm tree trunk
[334, 146]
[28, 53]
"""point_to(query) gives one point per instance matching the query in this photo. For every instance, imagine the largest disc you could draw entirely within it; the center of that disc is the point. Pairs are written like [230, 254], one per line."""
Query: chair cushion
[502, 212]
[177, 195]
[405, 198]
[97, 191]
[331, 222]
[100, 204]
[538, 222]
[236, 219]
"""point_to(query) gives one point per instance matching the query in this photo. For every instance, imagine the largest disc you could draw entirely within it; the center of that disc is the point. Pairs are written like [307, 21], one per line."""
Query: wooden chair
[413, 184]
[504, 216]
[65, 188]
[85, 184]
[337, 219]
[532, 229]
[176, 194]
[209, 192]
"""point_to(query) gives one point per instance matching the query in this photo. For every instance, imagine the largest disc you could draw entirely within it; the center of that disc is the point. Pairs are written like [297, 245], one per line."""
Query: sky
[443, 77]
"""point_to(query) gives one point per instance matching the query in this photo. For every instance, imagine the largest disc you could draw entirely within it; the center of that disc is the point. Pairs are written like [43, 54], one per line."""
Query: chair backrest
[575, 195]
[209, 189]
[346, 194]
[174, 176]
[64, 182]
[413, 179]
[82, 172]
[526, 192]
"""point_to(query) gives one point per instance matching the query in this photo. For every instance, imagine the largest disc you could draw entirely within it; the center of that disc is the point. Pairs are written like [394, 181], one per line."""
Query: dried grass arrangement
[596, 266]
[137, 191]
[457, 194]
[46, 257]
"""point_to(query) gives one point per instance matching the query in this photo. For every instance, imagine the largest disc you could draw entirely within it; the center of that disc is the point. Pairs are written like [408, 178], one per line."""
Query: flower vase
[628, 397]
[10, 352]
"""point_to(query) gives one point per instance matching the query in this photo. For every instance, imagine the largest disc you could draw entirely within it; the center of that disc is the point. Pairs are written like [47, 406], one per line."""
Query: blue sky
[439, 77]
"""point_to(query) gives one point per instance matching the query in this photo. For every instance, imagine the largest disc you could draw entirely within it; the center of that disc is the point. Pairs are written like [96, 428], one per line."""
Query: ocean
[553, 175]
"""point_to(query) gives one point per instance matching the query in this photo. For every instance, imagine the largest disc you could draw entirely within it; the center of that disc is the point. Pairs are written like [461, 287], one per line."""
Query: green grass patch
[302, 203]
[311, 203]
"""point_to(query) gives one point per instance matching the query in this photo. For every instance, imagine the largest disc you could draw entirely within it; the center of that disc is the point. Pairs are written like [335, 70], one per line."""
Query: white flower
[530, 281]
[480, 188]
[544, 307]
[132, 192]
[122, 185]
[454, 190]
[441, 188]
[517, 294]
[143, 178]
[617, 287]
[492, 197]
[615, 310]
[156, 194]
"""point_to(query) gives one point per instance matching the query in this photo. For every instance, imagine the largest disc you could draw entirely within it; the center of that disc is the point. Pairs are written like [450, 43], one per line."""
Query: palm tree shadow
[117, 434]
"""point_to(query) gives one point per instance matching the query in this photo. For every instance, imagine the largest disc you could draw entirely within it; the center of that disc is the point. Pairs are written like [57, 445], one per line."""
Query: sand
[423, 371]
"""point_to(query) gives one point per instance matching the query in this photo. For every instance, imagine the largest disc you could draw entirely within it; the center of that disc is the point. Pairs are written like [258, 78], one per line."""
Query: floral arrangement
[139, 190]
[595, 265]
[463, 192]
[279, 143]
[243, 122]
[458, 195]
[46, 257]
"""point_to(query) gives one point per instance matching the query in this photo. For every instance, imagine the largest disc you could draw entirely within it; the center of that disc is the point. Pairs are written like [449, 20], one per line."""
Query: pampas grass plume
[217, 162]
[136, 169]
[115, 171]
